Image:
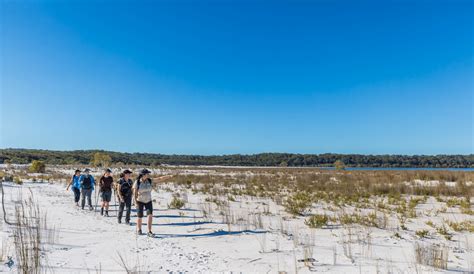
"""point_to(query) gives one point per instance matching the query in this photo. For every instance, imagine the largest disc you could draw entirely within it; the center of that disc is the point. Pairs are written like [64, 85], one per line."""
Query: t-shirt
[106, 183]
[75, 181]
[125, 187]
[144, 191]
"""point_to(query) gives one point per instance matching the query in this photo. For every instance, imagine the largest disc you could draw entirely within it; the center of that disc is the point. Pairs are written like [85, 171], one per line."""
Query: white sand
[186, 241]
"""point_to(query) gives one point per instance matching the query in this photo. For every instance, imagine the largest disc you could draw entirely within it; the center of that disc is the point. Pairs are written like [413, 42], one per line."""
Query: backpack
[125, 188]
[87, 182]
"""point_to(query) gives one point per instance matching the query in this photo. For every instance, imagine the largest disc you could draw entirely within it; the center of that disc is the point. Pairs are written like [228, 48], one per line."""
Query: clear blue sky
[225, 77]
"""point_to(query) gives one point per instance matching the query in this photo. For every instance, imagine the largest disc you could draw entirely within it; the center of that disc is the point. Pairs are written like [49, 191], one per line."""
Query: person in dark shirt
[124, 193]
[105, 188]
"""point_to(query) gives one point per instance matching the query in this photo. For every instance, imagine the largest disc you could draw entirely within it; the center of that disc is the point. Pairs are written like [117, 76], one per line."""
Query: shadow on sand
[210, 234]
[176, 224]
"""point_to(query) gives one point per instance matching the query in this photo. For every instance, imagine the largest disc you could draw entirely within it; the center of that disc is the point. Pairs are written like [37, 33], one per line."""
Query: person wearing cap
[75, 186]
[124, 193]
[86, 182]
[142, 197]
[105, 189]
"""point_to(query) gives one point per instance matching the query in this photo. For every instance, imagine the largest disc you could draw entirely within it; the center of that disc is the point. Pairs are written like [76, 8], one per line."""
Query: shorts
[148, 206]
[106, 196]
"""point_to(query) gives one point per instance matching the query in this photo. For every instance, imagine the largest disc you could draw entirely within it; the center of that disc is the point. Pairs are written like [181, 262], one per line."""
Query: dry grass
[341, 187]
[431, 255]
[28, 235]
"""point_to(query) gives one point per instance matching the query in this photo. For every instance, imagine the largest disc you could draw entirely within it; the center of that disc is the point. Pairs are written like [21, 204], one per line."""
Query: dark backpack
[87, 182]
[125, 188]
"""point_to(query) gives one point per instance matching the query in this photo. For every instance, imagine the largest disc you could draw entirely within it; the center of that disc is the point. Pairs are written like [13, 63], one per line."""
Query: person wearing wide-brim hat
[142, 196]
[76, 187]
[86, 182]
[124, 193]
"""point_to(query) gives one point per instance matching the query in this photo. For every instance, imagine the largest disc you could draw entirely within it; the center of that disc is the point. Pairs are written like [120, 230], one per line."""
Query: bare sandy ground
[188, 240]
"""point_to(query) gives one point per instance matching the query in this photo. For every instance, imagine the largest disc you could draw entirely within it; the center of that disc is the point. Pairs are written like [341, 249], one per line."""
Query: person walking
[105, 189]
[87, 183]
[75, 186]
[124, 193]
[142, 197]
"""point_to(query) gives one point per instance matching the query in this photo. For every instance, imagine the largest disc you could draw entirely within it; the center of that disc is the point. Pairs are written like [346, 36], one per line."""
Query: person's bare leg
[150, 221]
[139, 224]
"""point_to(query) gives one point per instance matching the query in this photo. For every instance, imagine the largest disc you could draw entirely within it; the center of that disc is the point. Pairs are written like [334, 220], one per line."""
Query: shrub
[346, 219]
[298, 203]
[422, 233]
[462, 226]
[430, 223]
[317, 221]
[339, 165]
[17, 181]
[37, 166]
[101, 159]
[176, 203]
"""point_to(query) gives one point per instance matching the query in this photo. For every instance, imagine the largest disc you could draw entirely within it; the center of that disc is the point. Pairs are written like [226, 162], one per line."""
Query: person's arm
[70, 183]
[135, 192]
[165, 177]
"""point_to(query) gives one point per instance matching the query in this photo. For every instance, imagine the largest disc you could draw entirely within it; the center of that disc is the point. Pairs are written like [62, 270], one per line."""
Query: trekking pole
[96, 201]
[115, 202]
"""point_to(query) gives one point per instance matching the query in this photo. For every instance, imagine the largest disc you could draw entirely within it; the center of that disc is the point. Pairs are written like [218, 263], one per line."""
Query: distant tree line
[26, 156]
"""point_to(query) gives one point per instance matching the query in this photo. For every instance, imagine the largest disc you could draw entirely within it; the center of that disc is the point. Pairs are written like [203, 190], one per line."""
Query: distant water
[405, 168]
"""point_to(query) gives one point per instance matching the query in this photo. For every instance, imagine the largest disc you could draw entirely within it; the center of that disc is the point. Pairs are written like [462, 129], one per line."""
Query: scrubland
[257, 220]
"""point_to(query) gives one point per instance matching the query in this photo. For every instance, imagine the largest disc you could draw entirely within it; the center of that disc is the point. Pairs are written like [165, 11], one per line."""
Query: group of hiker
[125, 190]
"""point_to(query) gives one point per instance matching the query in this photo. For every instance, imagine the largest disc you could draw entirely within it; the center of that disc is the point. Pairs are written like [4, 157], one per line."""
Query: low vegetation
[317, 221]
[431, 255]
[37, 167]
[349, 204]
[176, 203]
[298, 203]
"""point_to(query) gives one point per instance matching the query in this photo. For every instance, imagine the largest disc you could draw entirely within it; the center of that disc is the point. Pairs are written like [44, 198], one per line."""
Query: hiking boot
[101, 211]
[150, 234]
[106, 213]
[119, 221]
[127, 222]
[77, 204]
[91, 208]
[139, 232]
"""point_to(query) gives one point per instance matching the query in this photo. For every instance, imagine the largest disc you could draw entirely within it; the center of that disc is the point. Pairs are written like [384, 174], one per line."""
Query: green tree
[339, 165]
[101, 159]
[37, 166]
